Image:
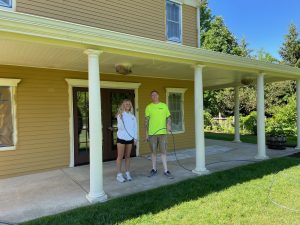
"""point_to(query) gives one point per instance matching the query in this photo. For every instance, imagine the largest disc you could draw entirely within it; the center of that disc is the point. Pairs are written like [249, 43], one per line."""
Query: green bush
[249, 123]
[208, 121]
[284, 120]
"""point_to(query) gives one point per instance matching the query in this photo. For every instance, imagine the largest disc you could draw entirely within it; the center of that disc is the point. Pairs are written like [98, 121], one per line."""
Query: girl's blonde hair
[121, 108]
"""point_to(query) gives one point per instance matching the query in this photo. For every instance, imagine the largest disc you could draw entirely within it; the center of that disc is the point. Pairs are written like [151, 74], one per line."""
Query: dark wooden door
[110, 101]
[81, 126]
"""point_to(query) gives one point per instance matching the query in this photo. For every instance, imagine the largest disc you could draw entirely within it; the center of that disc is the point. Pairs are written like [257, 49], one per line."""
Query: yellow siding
[141, 18]
[189, 25]
[43, 117]
[136, 17]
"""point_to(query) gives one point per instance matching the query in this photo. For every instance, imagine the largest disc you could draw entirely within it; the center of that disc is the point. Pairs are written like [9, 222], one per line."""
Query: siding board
[136, 17]
[43, 121]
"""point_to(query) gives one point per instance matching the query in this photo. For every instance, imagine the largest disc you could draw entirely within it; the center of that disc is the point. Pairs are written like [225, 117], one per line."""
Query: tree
[218, 38]
[206, 18]
[290, 50]
[245, 51]
[265, 56]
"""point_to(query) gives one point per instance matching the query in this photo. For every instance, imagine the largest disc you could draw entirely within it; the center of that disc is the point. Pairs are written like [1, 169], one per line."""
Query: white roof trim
[194, 3]
[81, 36]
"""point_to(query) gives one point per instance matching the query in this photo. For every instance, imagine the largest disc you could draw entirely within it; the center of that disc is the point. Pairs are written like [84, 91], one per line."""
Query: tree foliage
[206, 19]
[218, 38]
[290, 50]
[262, 55]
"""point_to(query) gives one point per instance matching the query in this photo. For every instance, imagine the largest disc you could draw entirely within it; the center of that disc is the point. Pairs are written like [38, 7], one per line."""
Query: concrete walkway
[31, 196]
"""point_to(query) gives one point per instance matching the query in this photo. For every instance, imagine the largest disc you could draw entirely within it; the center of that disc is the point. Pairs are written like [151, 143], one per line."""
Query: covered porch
[38, 42]
[47, 193]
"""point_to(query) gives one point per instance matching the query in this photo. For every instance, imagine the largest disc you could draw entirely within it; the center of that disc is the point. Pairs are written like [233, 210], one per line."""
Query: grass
[247, 138]
[235, 196]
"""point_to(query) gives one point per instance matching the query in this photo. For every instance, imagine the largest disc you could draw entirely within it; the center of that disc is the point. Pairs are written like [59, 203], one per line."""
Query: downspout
[198, 23]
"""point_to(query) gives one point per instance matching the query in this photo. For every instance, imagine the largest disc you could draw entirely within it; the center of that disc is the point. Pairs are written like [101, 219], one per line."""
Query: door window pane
[83, 122]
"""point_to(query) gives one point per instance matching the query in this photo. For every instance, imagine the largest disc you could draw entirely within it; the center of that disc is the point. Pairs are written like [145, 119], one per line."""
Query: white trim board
[104, 84]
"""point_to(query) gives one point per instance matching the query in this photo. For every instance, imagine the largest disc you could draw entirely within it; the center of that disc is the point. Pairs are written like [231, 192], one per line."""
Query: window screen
[6, 124]
[176, 110]
[173, 21]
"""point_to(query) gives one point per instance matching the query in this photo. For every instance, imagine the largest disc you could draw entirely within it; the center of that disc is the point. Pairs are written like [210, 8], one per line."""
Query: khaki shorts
[160, 140]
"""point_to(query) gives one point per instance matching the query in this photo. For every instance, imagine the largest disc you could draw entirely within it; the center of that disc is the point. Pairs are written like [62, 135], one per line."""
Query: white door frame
[104, 84]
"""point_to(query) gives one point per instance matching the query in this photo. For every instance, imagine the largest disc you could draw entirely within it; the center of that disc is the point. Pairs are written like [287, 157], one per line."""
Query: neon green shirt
[158, 114]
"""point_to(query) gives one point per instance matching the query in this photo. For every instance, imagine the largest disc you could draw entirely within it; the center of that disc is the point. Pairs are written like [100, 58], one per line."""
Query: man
[157, 125]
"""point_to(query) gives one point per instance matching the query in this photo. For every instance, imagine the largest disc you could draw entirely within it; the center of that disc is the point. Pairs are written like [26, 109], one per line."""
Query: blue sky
[262, 22]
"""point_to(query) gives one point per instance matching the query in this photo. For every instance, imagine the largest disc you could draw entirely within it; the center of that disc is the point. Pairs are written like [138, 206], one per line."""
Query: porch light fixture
[124, 68]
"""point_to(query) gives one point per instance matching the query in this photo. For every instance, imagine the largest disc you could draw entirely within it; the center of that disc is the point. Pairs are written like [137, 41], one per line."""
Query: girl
[126, 137]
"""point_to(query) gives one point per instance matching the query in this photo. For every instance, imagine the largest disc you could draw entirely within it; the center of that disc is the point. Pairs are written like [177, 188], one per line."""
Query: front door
[110, 101]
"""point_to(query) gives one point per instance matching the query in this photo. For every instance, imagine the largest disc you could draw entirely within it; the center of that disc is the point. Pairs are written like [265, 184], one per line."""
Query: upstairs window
[173, 21]
[7, 4]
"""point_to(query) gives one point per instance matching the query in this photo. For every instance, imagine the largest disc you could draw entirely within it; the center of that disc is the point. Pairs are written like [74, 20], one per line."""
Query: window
[173, 21]
[175, 102]
[7, 4]
[7, 114]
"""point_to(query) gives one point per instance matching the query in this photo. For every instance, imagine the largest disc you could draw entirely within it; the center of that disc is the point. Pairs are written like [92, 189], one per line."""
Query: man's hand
[169, 128]
[146, 138]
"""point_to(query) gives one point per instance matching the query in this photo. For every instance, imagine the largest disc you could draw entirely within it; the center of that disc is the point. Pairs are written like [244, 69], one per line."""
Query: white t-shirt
[128, 132]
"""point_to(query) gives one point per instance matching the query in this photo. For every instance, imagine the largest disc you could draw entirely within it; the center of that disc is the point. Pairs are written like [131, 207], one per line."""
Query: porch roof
[28, 40]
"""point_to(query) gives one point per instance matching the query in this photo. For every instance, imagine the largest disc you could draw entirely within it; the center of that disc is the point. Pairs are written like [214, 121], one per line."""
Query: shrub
[249, 123]
[208, 121]
[285, 119]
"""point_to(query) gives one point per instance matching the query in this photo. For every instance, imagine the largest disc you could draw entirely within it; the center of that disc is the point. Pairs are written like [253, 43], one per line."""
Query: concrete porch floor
[31, 196]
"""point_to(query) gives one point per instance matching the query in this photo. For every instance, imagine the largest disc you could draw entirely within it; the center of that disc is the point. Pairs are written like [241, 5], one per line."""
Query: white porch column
[236, 115]
[298, 115]
[96, 193]
[199, 122]
[260, 101]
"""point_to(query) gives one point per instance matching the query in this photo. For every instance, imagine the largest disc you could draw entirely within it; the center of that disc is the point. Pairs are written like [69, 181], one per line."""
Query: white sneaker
[120, 178]
[128, 177]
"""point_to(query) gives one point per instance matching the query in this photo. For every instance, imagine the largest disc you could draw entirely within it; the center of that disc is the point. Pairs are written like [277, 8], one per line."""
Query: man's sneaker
[152, 173]
[168, 174]
[128, 177]
[120, 178]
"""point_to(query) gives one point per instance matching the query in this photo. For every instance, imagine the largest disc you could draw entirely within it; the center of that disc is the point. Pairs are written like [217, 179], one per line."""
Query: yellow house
[53, 52]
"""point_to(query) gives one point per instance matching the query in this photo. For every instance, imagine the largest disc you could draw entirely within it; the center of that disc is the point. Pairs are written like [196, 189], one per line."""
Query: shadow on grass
[156, 200]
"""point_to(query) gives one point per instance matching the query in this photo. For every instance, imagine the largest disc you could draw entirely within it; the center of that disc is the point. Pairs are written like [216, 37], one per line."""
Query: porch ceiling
[42, 55]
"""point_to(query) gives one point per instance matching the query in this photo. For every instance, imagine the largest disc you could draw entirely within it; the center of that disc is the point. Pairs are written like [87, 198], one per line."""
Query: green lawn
[235, 196]
[248, 138]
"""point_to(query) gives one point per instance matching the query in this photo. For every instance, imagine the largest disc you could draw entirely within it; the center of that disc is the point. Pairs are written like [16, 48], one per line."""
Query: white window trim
[13, 83]
[104, 84]
[13, 6]
[181, 91]
[181, 31]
